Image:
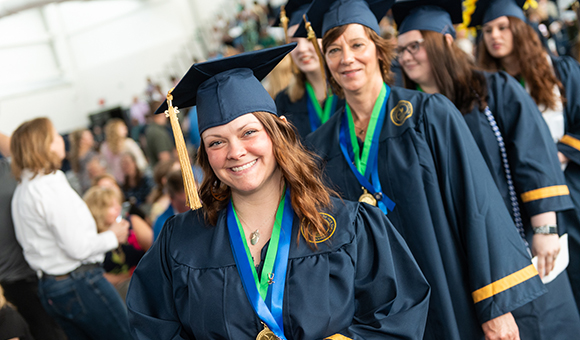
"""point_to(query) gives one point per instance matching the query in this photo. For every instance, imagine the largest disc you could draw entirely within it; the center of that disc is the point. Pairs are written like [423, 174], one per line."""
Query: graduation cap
[223, 90]
[438, 16]
[488, 10]
[294, 9]
[327, 14]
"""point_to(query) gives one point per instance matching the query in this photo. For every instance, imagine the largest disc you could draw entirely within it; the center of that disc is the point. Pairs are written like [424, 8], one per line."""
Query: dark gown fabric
[448, 209]
[362, 283]
[297, 112]
[568, 72]
[535, 168]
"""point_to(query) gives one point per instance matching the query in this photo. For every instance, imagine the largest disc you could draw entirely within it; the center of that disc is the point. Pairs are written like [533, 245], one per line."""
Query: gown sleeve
[500, 275]
[391, 293]
[532, 155]
[150, 300]
[568, 71]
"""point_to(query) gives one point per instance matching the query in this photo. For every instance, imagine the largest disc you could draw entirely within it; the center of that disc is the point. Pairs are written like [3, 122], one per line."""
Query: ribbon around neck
[316, 113]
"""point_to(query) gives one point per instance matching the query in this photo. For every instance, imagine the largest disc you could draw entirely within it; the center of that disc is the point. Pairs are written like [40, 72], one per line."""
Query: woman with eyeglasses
[411, 154]
[515, 143]
[306, 102]
[508, 43]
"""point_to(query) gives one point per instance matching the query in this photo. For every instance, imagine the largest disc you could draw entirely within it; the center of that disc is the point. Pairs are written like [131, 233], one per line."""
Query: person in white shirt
[59, 238]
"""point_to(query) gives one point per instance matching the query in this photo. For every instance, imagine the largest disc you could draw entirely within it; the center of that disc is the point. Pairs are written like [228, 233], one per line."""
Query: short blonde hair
[99, 199]
[30, 148]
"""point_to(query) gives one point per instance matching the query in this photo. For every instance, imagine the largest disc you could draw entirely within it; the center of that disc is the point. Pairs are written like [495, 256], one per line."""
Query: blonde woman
[116, 143]
[106, 207]
[59, 238]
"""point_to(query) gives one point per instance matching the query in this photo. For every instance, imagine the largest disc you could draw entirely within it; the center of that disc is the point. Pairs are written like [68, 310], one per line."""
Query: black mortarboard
[294, 11]
[227, 88]
[438, 16]
[327, 14]
[488, 10]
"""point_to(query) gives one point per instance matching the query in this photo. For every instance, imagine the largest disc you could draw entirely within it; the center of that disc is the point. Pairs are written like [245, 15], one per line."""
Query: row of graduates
[270, 252]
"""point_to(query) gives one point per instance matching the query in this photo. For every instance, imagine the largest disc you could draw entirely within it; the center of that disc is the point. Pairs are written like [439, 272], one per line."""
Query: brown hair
[534, 66]
[138, 173]
[112, 137]
[299, 168]
[385, 54]
[75, 142]
[454, 73]
[99, 199]
[160, 172]
[280, 77]
[30, 148]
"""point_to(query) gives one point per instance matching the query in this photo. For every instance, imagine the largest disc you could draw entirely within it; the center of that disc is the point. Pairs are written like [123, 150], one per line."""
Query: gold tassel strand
[312, 38]
[193, 201]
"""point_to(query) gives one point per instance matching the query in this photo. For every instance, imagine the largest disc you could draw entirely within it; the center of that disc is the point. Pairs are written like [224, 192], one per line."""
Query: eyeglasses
[412, 47]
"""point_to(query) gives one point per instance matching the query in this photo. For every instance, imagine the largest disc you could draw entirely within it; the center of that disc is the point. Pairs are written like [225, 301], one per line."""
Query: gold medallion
[266, 334]
[367, 198]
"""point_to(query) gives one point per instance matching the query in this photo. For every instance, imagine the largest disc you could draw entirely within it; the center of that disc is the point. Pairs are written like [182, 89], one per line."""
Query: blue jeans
[86, 306]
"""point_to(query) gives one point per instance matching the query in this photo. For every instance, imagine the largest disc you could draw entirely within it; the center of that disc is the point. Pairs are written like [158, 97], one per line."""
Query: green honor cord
[262, 283]
[361, 161]
[323, 115]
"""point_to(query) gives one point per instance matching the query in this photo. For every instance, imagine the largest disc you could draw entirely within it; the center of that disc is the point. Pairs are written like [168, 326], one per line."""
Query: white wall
[101, 50]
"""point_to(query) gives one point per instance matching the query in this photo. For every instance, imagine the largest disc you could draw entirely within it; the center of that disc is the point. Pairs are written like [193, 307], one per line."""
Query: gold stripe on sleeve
[504, 284]
[337, 336]
[538, 194]
[570, 141]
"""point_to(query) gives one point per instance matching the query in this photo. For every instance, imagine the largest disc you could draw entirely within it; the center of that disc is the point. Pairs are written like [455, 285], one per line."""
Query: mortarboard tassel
[314, 41]
[193, 201]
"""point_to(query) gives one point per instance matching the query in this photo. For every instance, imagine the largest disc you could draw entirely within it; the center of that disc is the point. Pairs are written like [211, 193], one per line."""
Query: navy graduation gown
[447, 209]
[568, 72]
[540, 186]
[360, 284]
[297, 112]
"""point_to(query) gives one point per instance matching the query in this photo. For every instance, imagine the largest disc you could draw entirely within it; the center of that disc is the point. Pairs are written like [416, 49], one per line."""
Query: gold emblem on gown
[401, 112]
[368, 198]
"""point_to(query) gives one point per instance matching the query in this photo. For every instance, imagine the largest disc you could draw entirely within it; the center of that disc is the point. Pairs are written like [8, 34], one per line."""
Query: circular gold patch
[401, 112]
[330, 228]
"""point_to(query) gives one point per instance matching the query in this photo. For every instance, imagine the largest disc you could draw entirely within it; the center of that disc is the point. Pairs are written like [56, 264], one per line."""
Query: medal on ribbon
[265, 294]
[365, 165]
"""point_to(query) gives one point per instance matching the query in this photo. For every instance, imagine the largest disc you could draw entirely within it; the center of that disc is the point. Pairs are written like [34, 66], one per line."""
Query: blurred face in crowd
[112, 212]
[241, 155]
[122, 130]
[57, 145]
[304, 55]
[179, 202]
[413, 57]
[352, 60]
[128, 165]
[498, 37]
[87, 138]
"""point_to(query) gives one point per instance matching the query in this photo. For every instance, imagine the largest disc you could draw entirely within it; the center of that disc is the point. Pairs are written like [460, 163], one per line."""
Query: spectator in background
[105, 206]
[12, 325]
[116, 143]
[159, 199]
[137, 185]
[108, 181]
[19, 281]
[81, 153]
[159, 142]
[138, 111]
[178, 204]
[59, 238]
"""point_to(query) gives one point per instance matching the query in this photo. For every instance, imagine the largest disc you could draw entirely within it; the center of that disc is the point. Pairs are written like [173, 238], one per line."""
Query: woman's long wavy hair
[534, 66]
[299, 169]
[75, 144]
[30, 148]
[454, 72]
[112, 137]
[385, 54]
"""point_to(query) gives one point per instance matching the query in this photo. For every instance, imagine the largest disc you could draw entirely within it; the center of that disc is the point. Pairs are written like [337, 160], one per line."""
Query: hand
[546, 248]
[563, 159]
[501, 328]
[121, 230]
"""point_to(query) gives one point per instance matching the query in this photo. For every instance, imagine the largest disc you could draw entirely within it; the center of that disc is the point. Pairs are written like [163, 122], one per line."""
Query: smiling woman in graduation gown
[269, 251]
[423, 169]
[515, 143]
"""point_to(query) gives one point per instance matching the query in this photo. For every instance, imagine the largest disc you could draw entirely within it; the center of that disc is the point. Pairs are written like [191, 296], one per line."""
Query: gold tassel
[314, 41]
[193, 201]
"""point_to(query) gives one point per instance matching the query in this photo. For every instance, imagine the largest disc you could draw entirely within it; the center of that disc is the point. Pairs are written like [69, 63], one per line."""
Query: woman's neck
[511, 65]
[361, 103]
[315, 79]
[430, 88]
[254, 206]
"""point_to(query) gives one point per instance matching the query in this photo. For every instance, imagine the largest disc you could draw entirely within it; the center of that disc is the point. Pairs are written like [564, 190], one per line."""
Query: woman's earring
[220, 196]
